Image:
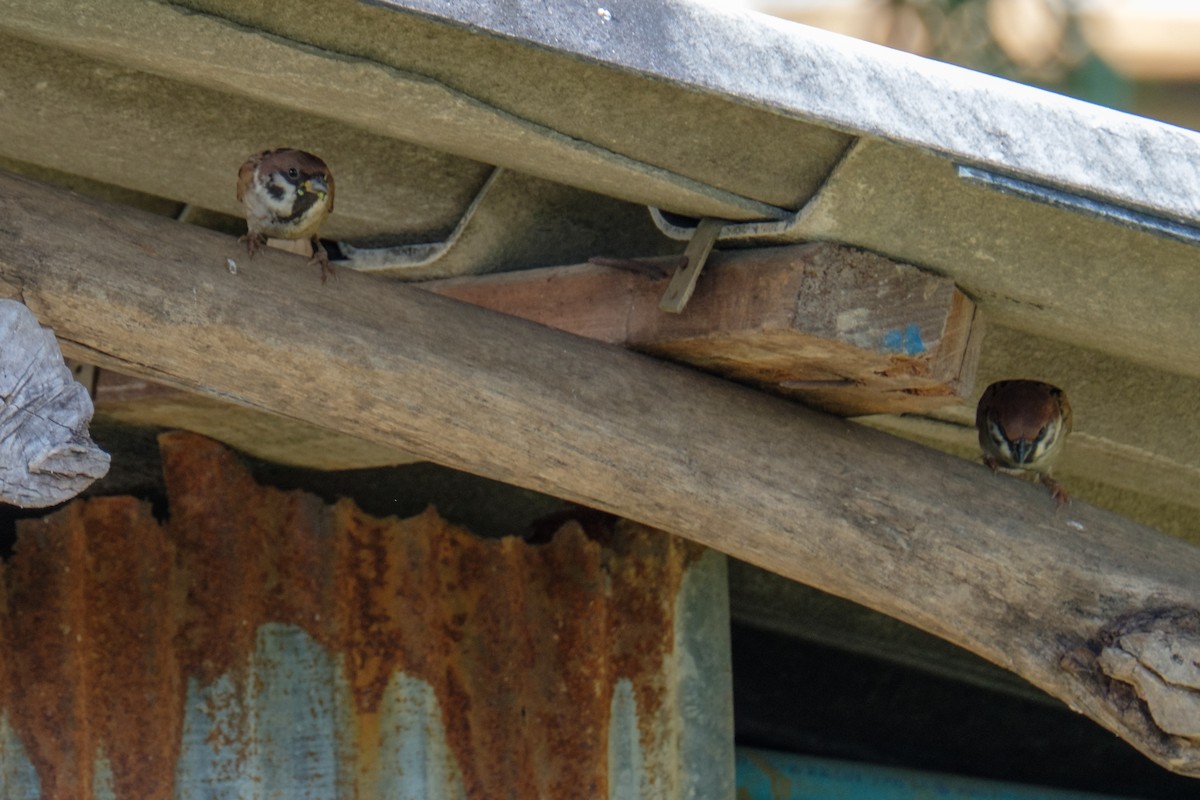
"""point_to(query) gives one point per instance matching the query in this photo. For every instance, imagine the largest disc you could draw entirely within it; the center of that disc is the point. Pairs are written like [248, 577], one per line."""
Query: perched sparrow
[286, 194]
[1022, 427]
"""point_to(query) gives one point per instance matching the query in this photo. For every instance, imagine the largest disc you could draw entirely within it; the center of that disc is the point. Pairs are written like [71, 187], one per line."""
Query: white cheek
[286, 200]
[262, 203]
[1048, 443]
[997, 437]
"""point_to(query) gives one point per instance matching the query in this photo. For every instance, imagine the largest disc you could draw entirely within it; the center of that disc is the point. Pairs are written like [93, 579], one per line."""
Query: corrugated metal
[766, 775]
[260, 644]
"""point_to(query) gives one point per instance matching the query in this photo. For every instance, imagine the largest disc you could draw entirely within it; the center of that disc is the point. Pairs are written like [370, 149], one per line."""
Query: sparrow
[1022, 427]
[286, 194]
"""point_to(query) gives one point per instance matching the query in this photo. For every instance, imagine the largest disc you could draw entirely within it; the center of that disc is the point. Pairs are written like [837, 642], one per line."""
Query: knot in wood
[1157, 654]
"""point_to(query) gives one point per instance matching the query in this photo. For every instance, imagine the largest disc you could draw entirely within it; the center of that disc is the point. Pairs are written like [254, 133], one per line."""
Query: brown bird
[1023, 426]
[286, 194]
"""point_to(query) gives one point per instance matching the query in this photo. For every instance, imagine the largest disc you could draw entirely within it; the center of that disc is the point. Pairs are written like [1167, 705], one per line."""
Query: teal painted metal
[18, 779]
[700, 763]
[766, 775]
[273, 736]
[287, 733]
[703, 669]
[287, 729]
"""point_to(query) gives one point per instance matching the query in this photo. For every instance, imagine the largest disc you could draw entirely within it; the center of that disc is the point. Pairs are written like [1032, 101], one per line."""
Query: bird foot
[322, 258]
[254, 242]
[1056, 490]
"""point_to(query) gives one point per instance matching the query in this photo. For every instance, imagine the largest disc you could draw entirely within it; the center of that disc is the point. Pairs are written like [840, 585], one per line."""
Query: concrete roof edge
[861, 88]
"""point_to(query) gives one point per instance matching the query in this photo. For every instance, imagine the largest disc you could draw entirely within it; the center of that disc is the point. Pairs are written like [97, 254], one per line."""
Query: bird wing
[1068, 422]
[246, 175]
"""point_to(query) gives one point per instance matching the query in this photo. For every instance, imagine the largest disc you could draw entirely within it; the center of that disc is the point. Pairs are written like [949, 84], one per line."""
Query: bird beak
[315, 185]
[1022, 450]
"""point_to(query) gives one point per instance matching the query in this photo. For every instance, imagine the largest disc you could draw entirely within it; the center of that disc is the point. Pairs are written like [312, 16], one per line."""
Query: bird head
[1023, 422]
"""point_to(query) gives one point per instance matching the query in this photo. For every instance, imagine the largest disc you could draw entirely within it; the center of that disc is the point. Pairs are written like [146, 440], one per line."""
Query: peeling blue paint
[286, 728]
[273, 736]
[18, 778]
[288, 732]
[102, 779]
[625, 766]
[416, 760]
[907, 341]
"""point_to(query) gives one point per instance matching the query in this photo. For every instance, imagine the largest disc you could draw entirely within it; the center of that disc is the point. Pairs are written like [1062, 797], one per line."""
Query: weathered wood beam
[840, 329]
[126, 399]
[843, 330]
[1082, 603]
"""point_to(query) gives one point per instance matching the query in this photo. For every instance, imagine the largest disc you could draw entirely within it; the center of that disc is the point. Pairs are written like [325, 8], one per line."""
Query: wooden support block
[843, 330]
[300, 247]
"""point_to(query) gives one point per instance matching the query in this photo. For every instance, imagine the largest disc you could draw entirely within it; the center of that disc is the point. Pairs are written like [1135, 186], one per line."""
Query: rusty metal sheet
[259, 643]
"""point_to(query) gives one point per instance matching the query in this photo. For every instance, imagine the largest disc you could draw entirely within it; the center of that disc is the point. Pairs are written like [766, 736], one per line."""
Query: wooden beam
[125, 399]
[1078, 601]
[840, 329]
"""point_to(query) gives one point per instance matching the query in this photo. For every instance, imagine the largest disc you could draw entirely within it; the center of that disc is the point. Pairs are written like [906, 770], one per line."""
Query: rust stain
[88, 649]
[107, 614]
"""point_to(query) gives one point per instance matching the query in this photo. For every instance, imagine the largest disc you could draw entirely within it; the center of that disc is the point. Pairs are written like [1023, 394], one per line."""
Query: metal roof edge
[860, 88]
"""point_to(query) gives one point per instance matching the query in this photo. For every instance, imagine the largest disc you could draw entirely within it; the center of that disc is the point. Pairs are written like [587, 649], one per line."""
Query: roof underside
[471, 137]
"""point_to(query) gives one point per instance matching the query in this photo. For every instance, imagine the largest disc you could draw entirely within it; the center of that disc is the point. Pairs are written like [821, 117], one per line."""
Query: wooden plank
[841, 329]
[46, 454]
[983, 561]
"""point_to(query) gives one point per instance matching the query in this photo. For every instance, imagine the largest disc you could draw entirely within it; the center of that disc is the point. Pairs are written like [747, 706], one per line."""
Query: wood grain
[983, 561]
[124, 399]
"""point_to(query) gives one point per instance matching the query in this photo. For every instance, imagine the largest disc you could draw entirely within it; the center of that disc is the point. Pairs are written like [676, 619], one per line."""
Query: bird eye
[293, 172]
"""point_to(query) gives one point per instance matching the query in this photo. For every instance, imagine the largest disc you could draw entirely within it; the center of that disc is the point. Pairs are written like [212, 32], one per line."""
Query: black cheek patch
[275, 190]
[303, 203]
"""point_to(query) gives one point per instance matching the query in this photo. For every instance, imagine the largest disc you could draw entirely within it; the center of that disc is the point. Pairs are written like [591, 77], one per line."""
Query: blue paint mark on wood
[907, 341]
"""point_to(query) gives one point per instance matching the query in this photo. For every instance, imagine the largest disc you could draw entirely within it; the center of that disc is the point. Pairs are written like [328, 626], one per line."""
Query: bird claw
[1057, 491]
[254, 242]
[322, 258]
